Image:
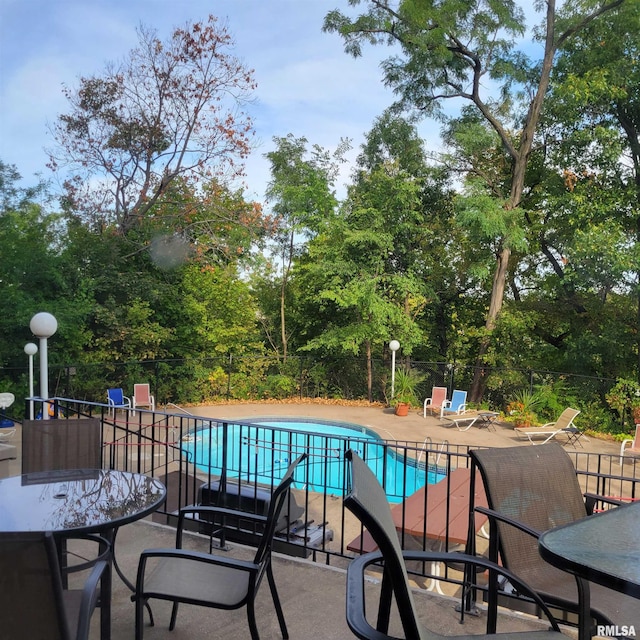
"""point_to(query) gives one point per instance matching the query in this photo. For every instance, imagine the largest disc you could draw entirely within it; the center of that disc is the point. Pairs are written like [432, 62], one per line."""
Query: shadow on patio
[313, 599]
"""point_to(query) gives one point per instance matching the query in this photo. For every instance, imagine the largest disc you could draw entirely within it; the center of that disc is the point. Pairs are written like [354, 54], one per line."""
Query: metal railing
[243, 461]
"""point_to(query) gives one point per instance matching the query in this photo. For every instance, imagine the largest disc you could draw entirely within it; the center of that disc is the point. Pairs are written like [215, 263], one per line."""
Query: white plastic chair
[630, 446]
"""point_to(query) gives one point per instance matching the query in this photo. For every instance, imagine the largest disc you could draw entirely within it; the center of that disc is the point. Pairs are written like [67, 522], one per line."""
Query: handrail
[422, 450]
[179, 408]
[444, 446]
[317, 490]
[427, 446]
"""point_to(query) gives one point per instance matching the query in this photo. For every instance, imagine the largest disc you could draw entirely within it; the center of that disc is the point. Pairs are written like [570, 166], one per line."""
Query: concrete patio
[313, 598]
[312, 594]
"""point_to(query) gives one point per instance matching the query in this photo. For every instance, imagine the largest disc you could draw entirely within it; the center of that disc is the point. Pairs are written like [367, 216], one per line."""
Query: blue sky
[307, 85]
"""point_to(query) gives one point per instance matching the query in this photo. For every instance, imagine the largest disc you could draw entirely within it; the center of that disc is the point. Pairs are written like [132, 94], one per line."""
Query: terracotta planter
[402, 409]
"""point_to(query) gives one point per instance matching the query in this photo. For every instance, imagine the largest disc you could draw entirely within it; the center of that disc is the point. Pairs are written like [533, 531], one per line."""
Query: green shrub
[279, 386]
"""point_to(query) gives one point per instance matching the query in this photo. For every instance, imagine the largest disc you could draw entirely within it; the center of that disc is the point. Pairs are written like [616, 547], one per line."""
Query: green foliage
[279, 386]
[598, 418]
[624, 397]
[406, 382]
[524, 403]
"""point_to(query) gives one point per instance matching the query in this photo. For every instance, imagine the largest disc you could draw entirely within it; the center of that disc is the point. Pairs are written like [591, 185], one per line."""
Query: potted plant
[404, 389]
[521, 409]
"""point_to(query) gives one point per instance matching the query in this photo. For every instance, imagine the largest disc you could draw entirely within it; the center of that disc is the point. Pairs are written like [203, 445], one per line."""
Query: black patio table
[79, 501]
[603, 548]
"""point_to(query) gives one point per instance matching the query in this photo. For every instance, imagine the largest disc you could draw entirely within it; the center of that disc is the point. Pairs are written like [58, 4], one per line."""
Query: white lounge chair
[549, 430]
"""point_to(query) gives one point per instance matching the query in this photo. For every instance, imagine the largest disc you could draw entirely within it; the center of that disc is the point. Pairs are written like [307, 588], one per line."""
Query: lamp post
[394, 345]
[30, 349]
[43, 325]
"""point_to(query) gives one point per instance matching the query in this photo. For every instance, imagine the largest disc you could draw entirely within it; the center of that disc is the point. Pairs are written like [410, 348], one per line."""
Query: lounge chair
[6, 400]
[368, 502]
[142, 397]
[435, 402]
[6, 434]
[631, 446]
[549, 430]
[457, 404]
[208, 579]
[530, 490]
[117, 400]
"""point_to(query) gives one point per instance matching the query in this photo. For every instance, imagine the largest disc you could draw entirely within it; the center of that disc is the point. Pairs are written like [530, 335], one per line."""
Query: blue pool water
[263, 450]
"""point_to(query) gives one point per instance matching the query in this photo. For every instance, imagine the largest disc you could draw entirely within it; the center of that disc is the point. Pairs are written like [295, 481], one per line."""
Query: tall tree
[368, 273]
[302, 197]
[169, 109]
[595, 115]
[447, 51]
[350, 271]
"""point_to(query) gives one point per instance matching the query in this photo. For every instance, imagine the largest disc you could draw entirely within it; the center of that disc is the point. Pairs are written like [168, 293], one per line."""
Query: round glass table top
[80, 500]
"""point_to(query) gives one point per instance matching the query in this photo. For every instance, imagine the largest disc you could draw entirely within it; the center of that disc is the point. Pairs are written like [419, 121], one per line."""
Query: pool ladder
[432, 456]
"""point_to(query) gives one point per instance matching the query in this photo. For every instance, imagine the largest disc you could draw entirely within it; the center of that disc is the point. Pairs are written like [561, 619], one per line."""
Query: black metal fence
[204, 459]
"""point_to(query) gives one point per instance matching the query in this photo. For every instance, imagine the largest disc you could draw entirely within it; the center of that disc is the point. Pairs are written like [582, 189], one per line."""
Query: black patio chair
[208, 579]
[57, 444]
[33, 600]
[49, 445]
[368, 502]
[530, 490]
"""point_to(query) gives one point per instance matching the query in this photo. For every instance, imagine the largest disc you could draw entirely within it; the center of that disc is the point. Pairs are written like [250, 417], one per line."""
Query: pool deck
[313, 598]
[413, 428]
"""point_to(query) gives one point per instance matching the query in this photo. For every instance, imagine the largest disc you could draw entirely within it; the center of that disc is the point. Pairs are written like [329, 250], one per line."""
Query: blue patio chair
[117, 400]
[457, 404]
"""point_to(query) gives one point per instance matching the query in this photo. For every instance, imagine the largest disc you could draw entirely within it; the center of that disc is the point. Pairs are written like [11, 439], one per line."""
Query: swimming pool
[261, 451]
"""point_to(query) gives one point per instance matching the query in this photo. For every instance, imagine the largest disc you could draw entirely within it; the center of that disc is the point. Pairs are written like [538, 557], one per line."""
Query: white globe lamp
[43, 325]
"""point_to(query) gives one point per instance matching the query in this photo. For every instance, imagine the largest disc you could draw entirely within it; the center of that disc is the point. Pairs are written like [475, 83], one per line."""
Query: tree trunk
[495, 305]
[369, 371]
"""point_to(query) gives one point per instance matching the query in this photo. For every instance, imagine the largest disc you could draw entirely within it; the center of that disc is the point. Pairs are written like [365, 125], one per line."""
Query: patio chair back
[537, 487]
[566, 418]
[457, 404]
[117, 400]
[49, 445]
[116, 396]
[368, 502]
[142, 397]
[33, 601]
[437, 399]
[6, 400]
